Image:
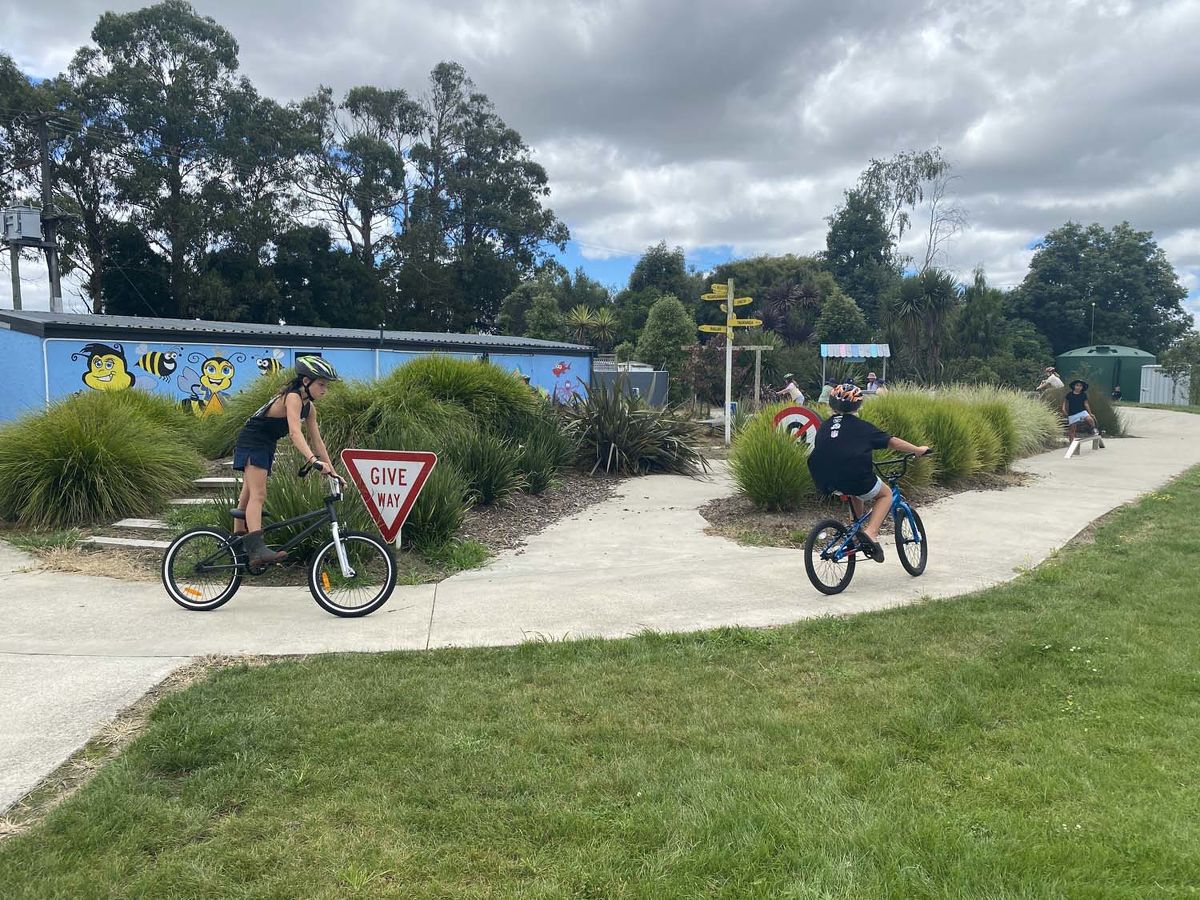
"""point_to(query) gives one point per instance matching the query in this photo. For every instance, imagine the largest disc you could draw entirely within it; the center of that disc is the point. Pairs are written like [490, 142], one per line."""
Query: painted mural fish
[561, 369]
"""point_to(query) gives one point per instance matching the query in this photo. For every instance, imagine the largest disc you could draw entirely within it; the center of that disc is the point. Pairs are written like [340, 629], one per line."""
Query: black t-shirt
[841, 455]
[1075, 402]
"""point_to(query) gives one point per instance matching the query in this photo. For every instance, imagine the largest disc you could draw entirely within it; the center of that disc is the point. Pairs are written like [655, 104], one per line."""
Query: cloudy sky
[733, 128]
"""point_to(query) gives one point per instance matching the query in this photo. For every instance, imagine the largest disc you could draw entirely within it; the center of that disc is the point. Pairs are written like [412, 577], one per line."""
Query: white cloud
[707, 124]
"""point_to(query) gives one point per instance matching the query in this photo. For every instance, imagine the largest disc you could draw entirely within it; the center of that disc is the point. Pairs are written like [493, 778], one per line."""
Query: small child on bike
[841, 461]
[254, 452]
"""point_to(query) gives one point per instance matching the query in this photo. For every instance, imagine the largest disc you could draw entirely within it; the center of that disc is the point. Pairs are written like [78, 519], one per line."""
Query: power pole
[15, 259]
[49, 218]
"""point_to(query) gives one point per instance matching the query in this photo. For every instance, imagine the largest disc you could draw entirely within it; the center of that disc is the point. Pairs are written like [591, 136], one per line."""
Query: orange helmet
[845, 398]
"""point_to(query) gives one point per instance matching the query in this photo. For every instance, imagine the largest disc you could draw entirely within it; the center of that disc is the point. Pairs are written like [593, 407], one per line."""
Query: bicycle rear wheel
[831, 574]
[200, 569]
[911, 545]
[373, 581]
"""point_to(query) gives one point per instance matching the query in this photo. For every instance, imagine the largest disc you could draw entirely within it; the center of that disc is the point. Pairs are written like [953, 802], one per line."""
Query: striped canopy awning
[856, 351]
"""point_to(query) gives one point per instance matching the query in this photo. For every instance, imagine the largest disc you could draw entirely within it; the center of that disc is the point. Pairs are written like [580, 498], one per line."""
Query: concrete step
[217, 481]
[191, 501]
[145, 524]
[100, 540]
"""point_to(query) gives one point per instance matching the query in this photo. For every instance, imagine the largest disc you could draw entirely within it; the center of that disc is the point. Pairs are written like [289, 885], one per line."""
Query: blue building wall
[202, 377]
[24, 390]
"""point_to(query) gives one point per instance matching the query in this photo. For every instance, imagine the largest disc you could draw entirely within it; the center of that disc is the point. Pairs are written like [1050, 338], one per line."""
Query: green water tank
[1105, 365]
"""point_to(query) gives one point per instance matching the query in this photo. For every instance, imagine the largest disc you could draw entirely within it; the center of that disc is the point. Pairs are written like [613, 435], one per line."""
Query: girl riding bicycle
[254, 452]
[841, 461]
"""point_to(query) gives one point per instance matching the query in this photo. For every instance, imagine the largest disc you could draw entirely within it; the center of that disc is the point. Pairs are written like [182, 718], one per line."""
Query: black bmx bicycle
[832, 546]
[351, 574]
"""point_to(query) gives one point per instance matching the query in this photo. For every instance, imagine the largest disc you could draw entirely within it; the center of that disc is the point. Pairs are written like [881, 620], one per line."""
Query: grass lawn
[1036, 740]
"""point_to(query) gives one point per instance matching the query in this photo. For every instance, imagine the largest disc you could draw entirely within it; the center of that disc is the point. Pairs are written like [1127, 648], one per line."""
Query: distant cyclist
[254, 452]
[841, 461]
[791, 390]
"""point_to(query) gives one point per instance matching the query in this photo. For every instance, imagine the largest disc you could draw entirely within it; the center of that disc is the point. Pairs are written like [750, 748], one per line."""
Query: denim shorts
[261, 457]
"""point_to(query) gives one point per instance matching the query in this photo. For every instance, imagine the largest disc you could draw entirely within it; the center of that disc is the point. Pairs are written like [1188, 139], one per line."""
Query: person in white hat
[1051, 380]
[790, 390]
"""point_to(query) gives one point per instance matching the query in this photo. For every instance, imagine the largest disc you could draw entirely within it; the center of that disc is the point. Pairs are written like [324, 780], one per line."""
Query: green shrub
[438, 513]
[489, 463]
[901, 414]
[986, 439]
[1034, 425]
[495, 398]
[549, 448]
[622, 434]
[769, 466]
[91, 458]
[159, 409]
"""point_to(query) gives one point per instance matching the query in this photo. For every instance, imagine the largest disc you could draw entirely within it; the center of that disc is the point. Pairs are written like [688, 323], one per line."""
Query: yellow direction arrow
[714, 329]
[740, 301]
[714, 296]
[746, 323]
[719, 288]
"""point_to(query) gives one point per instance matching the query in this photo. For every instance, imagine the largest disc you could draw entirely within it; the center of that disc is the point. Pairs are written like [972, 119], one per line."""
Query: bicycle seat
[241, 513]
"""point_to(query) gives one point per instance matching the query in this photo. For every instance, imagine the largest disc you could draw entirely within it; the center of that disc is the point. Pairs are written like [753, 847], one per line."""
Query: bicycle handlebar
[335, 483]
[902, 461]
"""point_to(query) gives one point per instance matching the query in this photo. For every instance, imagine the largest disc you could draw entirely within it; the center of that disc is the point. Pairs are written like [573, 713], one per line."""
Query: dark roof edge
[47, 325]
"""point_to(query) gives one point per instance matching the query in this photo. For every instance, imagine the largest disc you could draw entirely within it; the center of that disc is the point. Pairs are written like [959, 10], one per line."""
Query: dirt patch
[740, 520]
[507, 526]
[112, 738]
[128, 565]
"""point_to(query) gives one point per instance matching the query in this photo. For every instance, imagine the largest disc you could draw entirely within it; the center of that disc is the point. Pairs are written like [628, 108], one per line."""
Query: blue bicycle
[832, 548]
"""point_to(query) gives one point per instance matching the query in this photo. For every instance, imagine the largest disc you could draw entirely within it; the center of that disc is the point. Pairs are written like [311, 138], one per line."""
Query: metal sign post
[724, 293]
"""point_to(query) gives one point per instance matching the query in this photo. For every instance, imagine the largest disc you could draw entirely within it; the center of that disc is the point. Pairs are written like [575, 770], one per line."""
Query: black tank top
[262, 430]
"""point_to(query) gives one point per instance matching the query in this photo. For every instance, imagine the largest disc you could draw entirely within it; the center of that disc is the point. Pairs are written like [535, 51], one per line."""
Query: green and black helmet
[315, 367]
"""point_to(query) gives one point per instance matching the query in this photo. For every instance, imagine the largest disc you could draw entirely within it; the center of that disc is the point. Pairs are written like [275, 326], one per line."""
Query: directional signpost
[723, 293]
[389, 482]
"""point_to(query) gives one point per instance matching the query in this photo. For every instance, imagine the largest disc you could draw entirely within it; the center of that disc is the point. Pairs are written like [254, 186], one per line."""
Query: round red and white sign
[802, 423]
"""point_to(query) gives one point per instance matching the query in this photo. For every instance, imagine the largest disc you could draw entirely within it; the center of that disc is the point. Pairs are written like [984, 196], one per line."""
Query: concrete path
[75, 650]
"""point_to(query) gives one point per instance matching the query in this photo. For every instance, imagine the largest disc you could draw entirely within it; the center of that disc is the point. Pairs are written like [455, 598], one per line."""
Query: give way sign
[389, 482]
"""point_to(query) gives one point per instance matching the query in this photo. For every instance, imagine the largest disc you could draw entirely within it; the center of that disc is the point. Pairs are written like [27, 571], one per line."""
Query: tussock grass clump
[92, 458]
[490, 464]
[438, 513]
[1034, 425]
[901, 415]
[495, 398]
[624, 435]
[770, 466]
[549, 448]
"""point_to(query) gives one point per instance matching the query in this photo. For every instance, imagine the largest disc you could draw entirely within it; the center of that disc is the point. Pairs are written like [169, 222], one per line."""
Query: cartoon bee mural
[159, 363]
[269, 365]
[208, 389]
[107, 369]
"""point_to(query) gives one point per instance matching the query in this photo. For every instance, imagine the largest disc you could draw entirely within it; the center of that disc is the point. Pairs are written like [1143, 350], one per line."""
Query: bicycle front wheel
[828, 569]
[911, 544]
[368, 589]
[200, 570]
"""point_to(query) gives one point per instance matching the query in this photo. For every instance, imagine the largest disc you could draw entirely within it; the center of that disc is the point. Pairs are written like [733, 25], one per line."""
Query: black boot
[259, 553]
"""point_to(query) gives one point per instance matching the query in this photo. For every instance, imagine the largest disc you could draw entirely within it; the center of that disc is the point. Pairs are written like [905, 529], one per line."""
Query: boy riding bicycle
[841, 461]
[254, 452]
